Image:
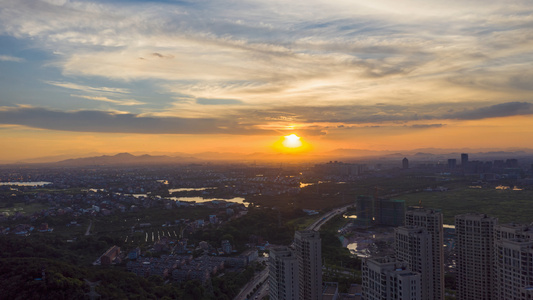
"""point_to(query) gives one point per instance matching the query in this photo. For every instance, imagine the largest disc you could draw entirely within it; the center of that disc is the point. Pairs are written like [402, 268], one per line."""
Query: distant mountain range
[346, 155]
[126, 159]
[431, 154]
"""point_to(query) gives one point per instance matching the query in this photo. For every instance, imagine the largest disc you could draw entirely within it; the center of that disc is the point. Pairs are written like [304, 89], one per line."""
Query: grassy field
[23, 208]
[506, 205]
[303, 222]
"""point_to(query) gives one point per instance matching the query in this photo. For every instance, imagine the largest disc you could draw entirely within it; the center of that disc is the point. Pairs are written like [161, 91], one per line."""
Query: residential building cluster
[493, 262]
[184, 267]
[417, 270]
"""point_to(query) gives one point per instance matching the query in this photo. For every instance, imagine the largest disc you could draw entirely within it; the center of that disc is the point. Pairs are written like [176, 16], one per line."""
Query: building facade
[431, 221]
[474, 256]
[309, 254]
[283, 274]
[413, 246]
[514, 269]
[513, 263]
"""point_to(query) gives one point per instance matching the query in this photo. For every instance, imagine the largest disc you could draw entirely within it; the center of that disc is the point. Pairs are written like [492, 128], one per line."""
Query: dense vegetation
[333, 253]
[24, 261]
[506, 205]
[259, 224]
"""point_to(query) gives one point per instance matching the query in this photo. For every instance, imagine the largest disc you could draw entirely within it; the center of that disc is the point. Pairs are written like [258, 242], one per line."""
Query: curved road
[258, 279]
[327, 216]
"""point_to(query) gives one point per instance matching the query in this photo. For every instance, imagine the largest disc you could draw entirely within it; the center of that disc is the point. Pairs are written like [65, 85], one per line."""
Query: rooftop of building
[474, 216]
[520, 227]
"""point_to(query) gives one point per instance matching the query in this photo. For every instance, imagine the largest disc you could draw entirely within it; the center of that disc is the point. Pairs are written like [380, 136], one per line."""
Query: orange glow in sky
[218, 79]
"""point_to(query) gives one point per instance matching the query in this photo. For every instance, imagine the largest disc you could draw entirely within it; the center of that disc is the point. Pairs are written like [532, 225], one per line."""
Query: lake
[190, 189]
[239, 200]
[26, 183]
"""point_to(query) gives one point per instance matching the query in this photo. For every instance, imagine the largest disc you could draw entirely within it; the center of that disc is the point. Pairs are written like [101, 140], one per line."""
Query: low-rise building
[110, 255]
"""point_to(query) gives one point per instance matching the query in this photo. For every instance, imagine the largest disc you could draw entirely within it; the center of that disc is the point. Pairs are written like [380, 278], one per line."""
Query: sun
[292, 141]
[291, 144]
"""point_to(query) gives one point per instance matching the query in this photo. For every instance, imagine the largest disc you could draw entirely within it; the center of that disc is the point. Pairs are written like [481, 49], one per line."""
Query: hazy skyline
[235, 76]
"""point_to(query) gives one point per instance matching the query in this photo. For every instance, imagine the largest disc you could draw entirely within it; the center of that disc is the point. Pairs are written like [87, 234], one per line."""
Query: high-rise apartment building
[413, 246]
[513, 231]
[283, 274]
[514, 269]
[474, 246]
[380, 211]
[513, 262]
[386, 278]
[431, 220]
[309, 254]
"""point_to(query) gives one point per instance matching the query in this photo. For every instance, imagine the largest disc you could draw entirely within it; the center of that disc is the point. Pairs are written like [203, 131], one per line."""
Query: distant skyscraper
[464, 160]
[283, 274]
[309, 254]
[413, 246]
[474, 245]
[452, 163]
[432, 222]
[386, 278]
[405, 163]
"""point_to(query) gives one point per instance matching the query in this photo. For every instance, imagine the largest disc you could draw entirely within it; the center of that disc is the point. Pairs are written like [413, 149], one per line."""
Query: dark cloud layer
[249, 121]
[383, 113]
[424, 126]
[494, 111]
[103, 121]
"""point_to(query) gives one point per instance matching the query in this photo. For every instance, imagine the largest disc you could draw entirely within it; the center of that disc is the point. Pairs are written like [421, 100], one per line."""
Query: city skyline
[84, 77]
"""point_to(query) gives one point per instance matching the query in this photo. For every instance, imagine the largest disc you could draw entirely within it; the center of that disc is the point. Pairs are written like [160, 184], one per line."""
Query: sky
[80, 77]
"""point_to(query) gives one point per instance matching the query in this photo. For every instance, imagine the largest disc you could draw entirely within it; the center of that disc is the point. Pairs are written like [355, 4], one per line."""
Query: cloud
[11, 58]
[418, 57]
[205, 101]
[494, 111]
[105, 99]
[258, 42]
[114, 122]
[90, 89]
[425, 126]
[343, 115]
[159, 55]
